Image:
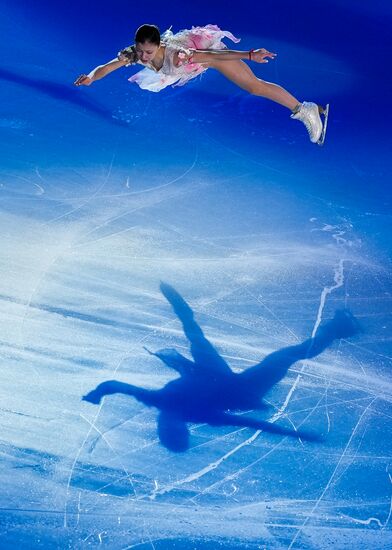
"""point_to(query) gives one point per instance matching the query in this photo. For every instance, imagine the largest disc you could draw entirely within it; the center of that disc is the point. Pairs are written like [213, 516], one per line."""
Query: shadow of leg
[274, 367]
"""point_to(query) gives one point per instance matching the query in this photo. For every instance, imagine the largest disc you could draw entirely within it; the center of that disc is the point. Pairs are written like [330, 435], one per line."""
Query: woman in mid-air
[174, 59]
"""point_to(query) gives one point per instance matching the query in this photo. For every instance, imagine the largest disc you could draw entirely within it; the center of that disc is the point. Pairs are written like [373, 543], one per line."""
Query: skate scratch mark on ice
[152, 542]
[380, 387]
[339, 281]
[96, 440]
[127, 475]
[279, 414]
[123, 214]
[155, 188]
[143, 543]
[368, 521]
[339, 402]
[101, 435]
[75, 461]
[207, 444]
[158, 187]
[363, 370]
[110, 236]
[167, 184]
[117, 233]
[258, 299]
[390, 503]
[261, 236]
[17, 176]
[102, 488]
[237, 473]
[78, 514]
[218, 438]
[88, 537]
[353, 456]
[332, 477]
[327, 406]
[90, 198]
[151, 443]
[369, 351]
[188, 239]
[234, 475]
[197, 475]
[41, 190]
[248, 159]
[39, 175]
[178, 259]
[28, 306]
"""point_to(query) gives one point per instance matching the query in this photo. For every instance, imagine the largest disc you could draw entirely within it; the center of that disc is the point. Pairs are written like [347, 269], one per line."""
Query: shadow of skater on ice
[207, 390]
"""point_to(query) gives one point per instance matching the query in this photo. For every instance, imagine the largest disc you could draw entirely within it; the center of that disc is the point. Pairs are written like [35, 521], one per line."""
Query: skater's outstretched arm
[174, 360]
[101, 71]
[205, 355]
[261, 55]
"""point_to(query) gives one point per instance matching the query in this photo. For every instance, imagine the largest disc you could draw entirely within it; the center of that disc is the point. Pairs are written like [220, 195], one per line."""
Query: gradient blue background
[105, 191]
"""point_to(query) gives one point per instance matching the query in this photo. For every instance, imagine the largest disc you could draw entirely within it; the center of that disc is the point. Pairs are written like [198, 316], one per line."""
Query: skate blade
[325, 112]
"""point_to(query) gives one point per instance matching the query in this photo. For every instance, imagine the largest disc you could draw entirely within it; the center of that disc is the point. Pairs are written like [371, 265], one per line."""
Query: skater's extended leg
[203, 352]
[238, 72]
[307, 112]
[113, 386]
[275, 366]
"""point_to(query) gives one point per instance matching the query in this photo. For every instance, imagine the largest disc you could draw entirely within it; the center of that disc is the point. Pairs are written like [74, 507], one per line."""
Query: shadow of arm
[174, 360]
[110, 387]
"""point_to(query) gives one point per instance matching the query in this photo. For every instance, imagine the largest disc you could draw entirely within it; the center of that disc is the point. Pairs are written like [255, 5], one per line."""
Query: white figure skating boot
[309, 113]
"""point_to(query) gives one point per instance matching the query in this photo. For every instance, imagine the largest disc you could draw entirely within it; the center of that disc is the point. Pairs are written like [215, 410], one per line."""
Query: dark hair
[148, 33]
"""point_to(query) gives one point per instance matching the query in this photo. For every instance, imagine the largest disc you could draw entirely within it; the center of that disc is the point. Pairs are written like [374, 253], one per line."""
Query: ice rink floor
[107, 191]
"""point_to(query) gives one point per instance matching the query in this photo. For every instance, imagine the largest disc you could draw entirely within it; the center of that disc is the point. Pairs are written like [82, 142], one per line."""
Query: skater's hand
[83, 80]
[260, 55]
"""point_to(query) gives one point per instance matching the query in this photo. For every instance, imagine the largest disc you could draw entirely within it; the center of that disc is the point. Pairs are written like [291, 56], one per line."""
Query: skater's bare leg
[307, 112]
[238, 72]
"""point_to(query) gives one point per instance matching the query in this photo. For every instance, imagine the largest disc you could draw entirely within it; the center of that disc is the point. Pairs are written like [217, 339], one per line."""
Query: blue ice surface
[108, 190]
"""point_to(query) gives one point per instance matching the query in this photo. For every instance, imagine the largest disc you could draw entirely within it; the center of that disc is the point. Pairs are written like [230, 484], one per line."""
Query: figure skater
[174, 59]
[208, 391]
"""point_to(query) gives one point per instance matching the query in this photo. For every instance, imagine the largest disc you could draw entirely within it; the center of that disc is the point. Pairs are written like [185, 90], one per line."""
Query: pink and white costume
[197, 38]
